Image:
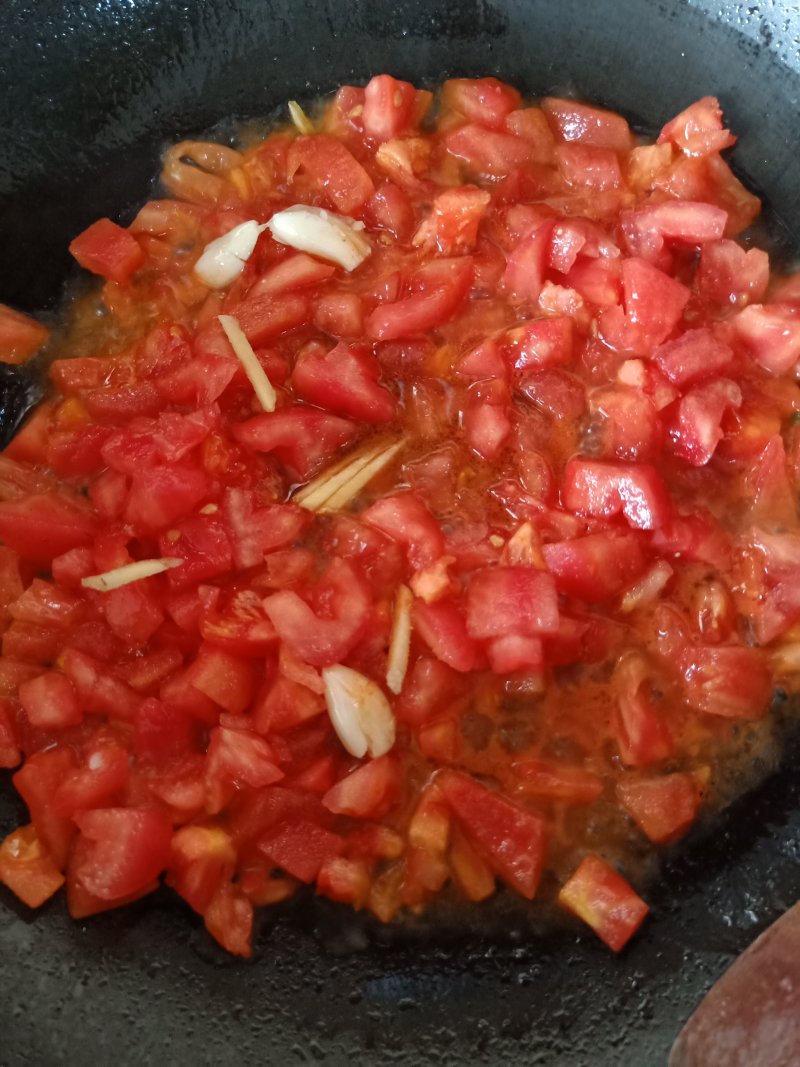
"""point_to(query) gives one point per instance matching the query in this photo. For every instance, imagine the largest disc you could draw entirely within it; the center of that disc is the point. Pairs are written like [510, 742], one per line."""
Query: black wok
[91, 91]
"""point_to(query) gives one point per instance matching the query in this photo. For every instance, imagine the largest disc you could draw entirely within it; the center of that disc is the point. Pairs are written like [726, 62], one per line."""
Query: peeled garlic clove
[222, 260]
[321, 233]
[359, 712]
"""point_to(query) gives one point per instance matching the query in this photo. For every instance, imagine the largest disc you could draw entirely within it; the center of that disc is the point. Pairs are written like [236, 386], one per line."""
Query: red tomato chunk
[474, 562]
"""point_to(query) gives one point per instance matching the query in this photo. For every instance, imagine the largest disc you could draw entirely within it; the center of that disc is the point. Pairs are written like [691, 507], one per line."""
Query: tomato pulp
[469, 559]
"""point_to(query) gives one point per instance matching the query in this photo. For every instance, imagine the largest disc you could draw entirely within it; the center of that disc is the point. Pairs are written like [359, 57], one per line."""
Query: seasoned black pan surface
[91, 92]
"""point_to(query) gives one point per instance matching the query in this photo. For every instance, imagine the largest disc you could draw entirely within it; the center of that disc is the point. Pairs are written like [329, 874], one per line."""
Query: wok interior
[88, 104]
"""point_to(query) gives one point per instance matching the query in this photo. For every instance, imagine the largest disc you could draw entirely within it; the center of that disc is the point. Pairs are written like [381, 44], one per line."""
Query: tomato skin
[642, 734]
[107, 249]
[606, 489]
[27, 869]
[510, 839]
[600, 896]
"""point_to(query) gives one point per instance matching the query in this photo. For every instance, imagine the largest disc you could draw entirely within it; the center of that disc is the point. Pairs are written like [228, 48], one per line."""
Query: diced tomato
[302, 438]
[20, 336]
[505, 601]
[294, 272]
[50, 701]
[452, 225]
[642, 735]
[557, 392]
[488, 153]
[368, 792]
[437, 290]
[37, 782]
[444, 630]
[345, 880]
[538, 778]
[388, 107]
[607, 489]
[524, 274]
[594, 567]
[697, 426]
[160, 732]
[405, 518]
[203, 858]
[695, 355]
[340, 314]
[544, 342]
[10, 755]
[27, 869]
[335, 172]
[698, 131]
[654, 304]
[265, 317]
[485, 420]
[511, 839]
[107, 249]
[587, 166]
[301, 848]
[42, 526]
[344, 381]
[226, 679]
[317, 639]
[127, 849]
[484, 100]
[532, 126]
[663, 808]
[733, 682]
[632, 429]
[770, 334]
[237, 757]
[596, 893]
[98, 690]
[730, 276]
[101, 780]
[472, 874]
[573, 121]
[697, 537]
